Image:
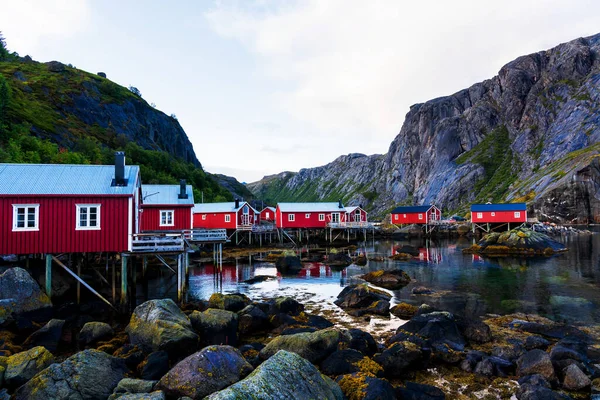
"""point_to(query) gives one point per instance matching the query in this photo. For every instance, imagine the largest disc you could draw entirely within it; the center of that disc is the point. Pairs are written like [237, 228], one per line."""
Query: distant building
[355, 214]
[238, 215]
[167, 207]
[416, 214]
[268, 214]
[499, 213]
[309, 215]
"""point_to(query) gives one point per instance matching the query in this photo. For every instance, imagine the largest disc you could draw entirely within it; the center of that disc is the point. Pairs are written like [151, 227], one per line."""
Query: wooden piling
[124, 279]
[49, 275]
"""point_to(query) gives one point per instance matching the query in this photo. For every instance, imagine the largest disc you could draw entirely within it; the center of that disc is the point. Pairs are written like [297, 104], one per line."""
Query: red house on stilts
[504, 213]
[167, 207]
[309, 215]
[48, 208]
[355, 214]
[268, 214]
[238, 215]
[422, 215]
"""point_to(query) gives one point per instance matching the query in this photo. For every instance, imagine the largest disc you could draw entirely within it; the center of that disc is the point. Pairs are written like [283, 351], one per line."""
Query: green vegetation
[36, 126]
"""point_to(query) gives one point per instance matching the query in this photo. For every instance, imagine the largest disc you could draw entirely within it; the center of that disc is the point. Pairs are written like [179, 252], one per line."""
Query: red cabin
[167, 207]
[309, 215]
[68, 208]
[355, 214]
[499, 213]
[268, 214]
[416, 214]
[238, 215]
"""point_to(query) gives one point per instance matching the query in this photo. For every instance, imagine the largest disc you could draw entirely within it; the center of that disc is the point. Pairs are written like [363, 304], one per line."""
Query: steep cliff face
[529, 133]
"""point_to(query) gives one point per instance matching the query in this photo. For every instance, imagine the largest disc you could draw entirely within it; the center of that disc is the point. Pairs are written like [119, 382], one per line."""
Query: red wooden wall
[300, 220]
[182, 218]
[214, 220]
[498, 217]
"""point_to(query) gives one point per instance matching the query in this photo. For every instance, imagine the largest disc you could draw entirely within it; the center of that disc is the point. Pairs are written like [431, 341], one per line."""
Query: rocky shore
[231, 347]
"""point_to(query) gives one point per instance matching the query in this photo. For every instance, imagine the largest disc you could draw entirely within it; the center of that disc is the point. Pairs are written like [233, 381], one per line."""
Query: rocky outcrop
[520, 241]
[529, 133]
[392, 280]
[313, 346]
[94, 331]
[21, 294]
[358, 300]
[23, 366]
[283, 376]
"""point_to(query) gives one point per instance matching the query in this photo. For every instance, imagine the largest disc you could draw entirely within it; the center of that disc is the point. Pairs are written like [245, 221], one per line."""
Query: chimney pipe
[237, 203]
[182, 189]
[119, 169]
[340, 203]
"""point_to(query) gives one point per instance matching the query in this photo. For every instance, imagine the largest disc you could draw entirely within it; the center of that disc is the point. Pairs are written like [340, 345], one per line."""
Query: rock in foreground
[283, 376]
[22, 294]
[358, 300]
[313, 346]
[519, 241]
[392, 280]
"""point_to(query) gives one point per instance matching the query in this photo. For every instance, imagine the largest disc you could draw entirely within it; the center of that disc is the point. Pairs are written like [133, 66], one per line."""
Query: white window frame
[78, 226]
[227, 217]
[403, 215]
[291, 217]
[420, 216]
[321, 217]
[266, 214]
[36, 213]
[203, 217]
[493, 214]
[166, 212]
[517, 214]
[307, 215]
[479, 215]
[395, 216]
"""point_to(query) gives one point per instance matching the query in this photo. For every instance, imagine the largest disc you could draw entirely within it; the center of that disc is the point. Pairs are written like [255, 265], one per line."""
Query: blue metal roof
[499, 207]
[65, 179]
[165, 195]
[411, 209]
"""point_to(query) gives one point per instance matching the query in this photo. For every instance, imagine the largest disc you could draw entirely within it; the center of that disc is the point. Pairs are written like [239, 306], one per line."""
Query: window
[493, 214]
[291, 217]
[227, 218]
[267, 214]
[307, 215]
[396, 216]
[479, 215]
[420, 216]
[166, 218]
[203, 217]
[321, 217]
[403, 215]
[88, 217]
[26, 217]
[517, 214]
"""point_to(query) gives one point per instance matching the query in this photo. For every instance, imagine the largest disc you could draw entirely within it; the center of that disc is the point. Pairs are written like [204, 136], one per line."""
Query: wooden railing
[206, 235]
[351, 224]
[155, 243]
[263, 228]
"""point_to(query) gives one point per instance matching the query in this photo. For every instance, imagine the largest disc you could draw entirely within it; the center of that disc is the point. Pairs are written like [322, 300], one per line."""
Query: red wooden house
[416, 214]
[68, 208]
[309, 215]
[238, 215]
[355, 214]
[167, 207]
[268, 214]
[499, 213]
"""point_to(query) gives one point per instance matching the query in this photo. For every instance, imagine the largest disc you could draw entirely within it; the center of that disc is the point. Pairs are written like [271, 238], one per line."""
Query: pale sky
[262, 87]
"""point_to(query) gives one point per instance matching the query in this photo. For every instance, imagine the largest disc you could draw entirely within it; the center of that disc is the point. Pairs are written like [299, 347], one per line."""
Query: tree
[4, 54]
[135, 91]
[4, 100]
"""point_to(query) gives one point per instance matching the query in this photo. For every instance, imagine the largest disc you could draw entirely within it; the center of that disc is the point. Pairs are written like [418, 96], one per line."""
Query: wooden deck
[351, 225]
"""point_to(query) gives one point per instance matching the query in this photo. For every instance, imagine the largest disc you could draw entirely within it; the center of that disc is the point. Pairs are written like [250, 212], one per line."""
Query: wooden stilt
[144, 266]
[49, 275]
[114, 280]
[78, 283]
[124, 260]
[179, 279]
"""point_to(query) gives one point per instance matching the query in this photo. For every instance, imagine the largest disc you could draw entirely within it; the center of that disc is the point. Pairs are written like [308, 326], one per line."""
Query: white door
[335, 217]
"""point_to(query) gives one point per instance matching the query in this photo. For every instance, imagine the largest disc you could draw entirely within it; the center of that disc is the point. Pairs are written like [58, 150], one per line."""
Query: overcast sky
[262, 87]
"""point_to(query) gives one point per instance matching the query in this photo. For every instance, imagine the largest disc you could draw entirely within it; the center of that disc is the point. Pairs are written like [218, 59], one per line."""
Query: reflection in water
[564, 287]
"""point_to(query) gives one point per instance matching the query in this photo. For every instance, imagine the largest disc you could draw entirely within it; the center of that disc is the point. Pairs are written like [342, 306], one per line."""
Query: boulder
[366, 387]
[215, 326]
[231, 302]
[132, 386]
[519, 241]
[358, 300]
[20, 294]
[535, 392]
[361, 341]
[207, 371]
[95, 331]
[157, 395]
[536, 342]
[101, 74]
[251, 319]
[471, 360]
[55, 66]
[21, 367]
[398, 358]
[89, 374]
[418, 391]
[285, 305]
[575, 379]
[48, 335]
[283, 376]
[160, 325]
[392, 280]
[435, 327]
[289, 264]
[338, 259]
[536, 362]
[131, 354]
[155, 366]
[404, 310]
[475, 331]
[313, 346]
[421, 290]
[342, 362]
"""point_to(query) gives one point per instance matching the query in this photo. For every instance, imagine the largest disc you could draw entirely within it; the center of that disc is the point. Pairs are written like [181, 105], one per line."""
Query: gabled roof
[269, 208]
[411, 209]
[499, 207]
[166, 195]
[220, 207]
[310, 207]
[64, 179]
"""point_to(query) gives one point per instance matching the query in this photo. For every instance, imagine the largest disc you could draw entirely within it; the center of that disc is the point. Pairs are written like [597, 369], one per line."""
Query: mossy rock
[393, 280]
[313, 346]
[404, 310]
[231, 302]
[21, 367]
[517, 242]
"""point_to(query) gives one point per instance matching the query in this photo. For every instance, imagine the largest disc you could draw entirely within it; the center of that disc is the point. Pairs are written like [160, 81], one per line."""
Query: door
[335, 218]
[246, 215]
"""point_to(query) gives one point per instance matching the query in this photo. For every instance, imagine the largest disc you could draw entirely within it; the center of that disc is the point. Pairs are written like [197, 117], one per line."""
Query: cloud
[44, 20]
[353, 67]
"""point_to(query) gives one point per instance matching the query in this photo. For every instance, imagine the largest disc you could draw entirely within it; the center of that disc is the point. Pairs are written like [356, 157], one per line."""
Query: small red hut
[416, 214]
[268, 214]
[238, 215]
[309, 215]
[499, 213]
[355, 214]
[68, 208]
[167, 207]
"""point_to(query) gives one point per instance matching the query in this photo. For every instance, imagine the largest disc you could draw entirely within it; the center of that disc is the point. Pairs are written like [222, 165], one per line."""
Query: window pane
[93, 216]
[31, 217]
[83, 216]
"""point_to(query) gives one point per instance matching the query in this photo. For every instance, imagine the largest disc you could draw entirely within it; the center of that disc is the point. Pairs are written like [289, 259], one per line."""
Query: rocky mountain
[531, 133]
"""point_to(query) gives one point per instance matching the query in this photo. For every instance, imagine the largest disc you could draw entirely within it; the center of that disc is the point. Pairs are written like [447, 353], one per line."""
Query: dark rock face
[575, 379]
[155, 366]
[475, 331]
[90, 374]
[94, 331]
[205, 372]
[252, 319]
[358, 300]
[397, 358]
[361, 341]
[392, 280]
[536, 362]
[216, 326]
[342, 362]
[435, 327]
[285, 305]
[289, 264]
[230, 302]
[361, 386]
[283, 376]
[537, 112]
[313, 346]
[20, 294]
[417, 391]
[160, 325]
[47, 336]
[23, 366]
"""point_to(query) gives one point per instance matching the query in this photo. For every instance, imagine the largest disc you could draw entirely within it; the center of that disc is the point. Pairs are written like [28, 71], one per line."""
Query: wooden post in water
[49, 275]
[78, 283]
[144, 266]
[124, 279]
[179, 279]
[114, 280]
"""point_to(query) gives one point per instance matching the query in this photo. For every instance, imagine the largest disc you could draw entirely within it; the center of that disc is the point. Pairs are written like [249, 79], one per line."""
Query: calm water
[564, 287]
